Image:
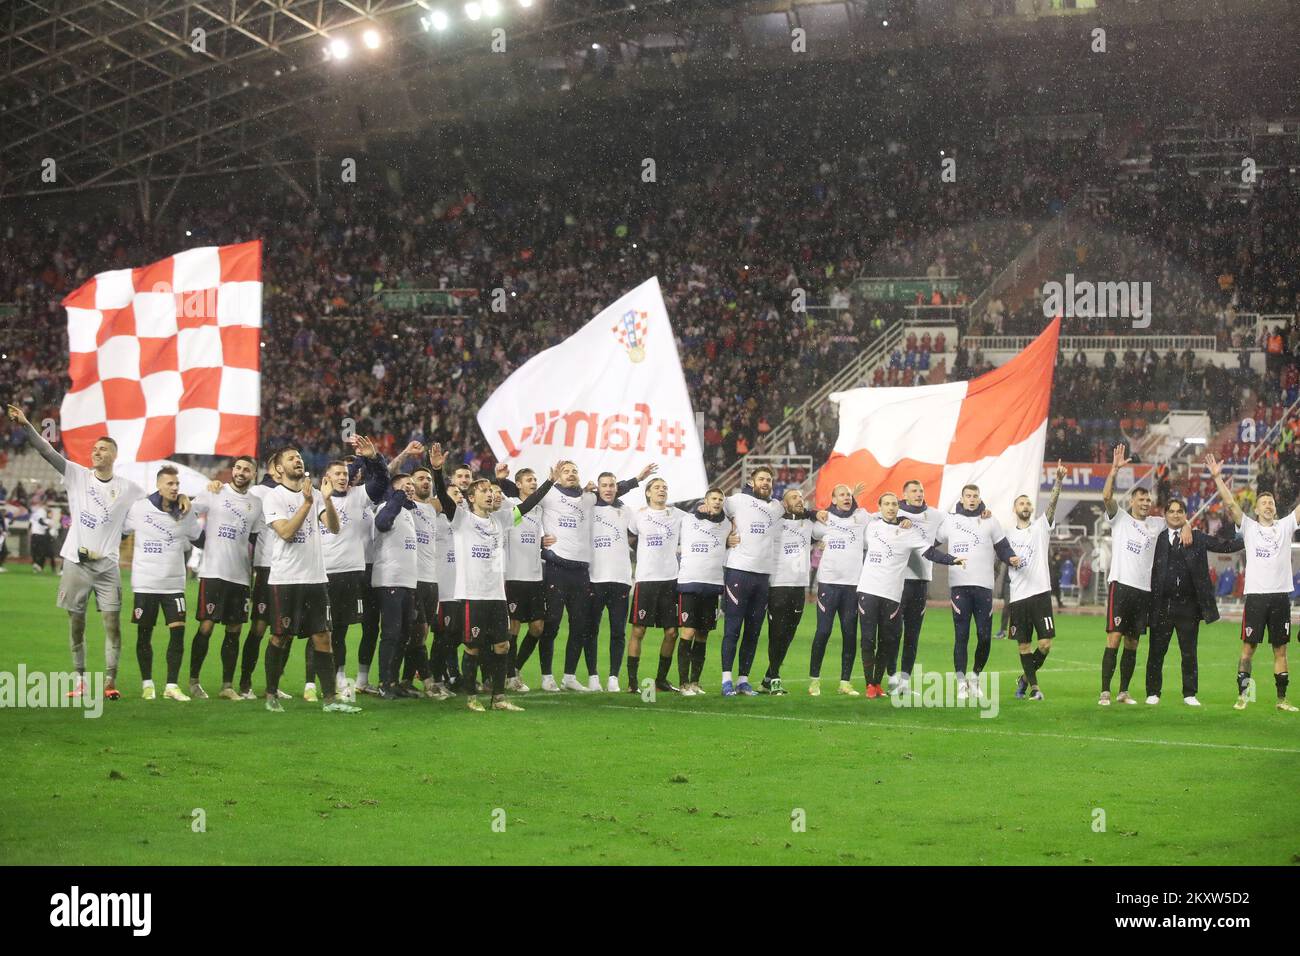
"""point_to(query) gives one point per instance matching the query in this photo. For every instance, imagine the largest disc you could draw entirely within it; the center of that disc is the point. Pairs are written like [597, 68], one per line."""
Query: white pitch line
[971, 730]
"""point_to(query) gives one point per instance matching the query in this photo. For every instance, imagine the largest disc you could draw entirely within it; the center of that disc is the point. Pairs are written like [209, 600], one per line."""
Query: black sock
[309, 662]
[198, 652]
[500, 664]
[1127, 663]
[511, 669]
[339, 641]
[632, 663]
[175, 653]
[275, 659]
[1243, 677]
[684, 648]
[144, 651]
[229, 656]
[468, 674]
[1039, 656]
[325, 669]
[1281, 680]
[664, 664]
[1031, 669]
[525, 650]
[252, 649]
[1108, 657]
[698, 649]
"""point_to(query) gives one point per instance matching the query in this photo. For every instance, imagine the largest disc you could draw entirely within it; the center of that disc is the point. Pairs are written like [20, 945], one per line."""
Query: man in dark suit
[1181, 597]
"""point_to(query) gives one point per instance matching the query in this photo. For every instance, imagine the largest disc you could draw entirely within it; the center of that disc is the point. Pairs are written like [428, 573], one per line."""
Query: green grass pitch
[601, 778]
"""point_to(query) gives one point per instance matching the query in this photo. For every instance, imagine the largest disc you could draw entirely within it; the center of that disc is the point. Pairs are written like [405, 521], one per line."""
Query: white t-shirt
[972, 538]
[158, 554]
[567, 518]
[611, 558]
[758, 524]
[704, 551]
[933, 525]
[1268, 554]
[98, 511]
[446, 559]
[232, 518]
[346, 551]
[793, 560]
[262, 550]
[1031, 547]
[480, 554]
[845, 539]
[301, 559]
[889, 549]
[40, 521]
[1133, 548]
[397, 553]
[426, 541]
[657, 534]
[524, 545]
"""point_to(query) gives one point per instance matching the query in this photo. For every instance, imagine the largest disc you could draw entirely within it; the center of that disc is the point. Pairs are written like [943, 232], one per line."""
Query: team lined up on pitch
[476, 561]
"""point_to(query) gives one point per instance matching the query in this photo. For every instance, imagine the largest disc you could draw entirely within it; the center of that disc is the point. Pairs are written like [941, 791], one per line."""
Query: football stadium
[470, 434]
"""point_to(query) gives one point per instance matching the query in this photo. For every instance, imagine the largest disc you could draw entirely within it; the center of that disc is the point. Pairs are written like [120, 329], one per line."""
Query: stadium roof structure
[148, 93]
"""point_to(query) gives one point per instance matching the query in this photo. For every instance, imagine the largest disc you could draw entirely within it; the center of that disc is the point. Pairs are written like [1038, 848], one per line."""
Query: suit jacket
[1198, 561]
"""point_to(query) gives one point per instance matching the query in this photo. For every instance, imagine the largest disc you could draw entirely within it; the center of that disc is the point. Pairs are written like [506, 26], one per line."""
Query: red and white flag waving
[610, 397]
[989, 432]
[165, 358]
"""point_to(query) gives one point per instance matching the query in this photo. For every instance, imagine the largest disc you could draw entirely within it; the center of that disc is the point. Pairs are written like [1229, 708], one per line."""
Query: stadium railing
[1048, 240]
[1095, 343]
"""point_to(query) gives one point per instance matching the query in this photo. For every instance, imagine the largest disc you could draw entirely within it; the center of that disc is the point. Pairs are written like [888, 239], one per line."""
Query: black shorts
[261, 606]
[697, 611]
[222, 602]
[346, 588]
[526, 600]
[426, 603]
[1267, 611]
[300, 610]
[654, 604]
[148, 605]
[1032, 613]
[477, 623]
[1128, 610]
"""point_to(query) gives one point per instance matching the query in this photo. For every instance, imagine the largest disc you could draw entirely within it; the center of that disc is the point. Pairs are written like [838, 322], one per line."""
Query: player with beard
[234, 520]
[1268, 585]
[345, 552]
[788, 588]
[443, 661]
[1128, 596]
[842, 536]
[261, 598]
[890, 549]
[396, 573]
[567, 516]
[705, 539]
[916, 583]
[163, 524]
[299, 586]
[98, 501]
[478, 601]
[611, 579]
[428, 513]
[654, 591]
[525, 597]
[974, 535]
[755, 518]
[1030, 606]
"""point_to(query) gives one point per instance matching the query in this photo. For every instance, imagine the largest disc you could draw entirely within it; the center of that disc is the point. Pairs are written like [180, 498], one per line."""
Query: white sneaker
[973, 686]
[687, 690]
[548, 683]
[1153, 699]
[1104, 699]
[147, 691]
[593, 683]
[1126, 698]
[611, 685]
[515, 685]
[283, 696]
[197, 692]
[248, 695]
[572, 683]
[1191, 701]
[963, 689]
[893, 682]
[172, 692]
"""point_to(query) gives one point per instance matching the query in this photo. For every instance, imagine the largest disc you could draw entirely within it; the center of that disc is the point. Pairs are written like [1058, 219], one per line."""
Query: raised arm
[535, 499]
[1056, 492]
[413, 450]
[1118, 461]
[46, 450]
[627, 484]
[438, 458]
[1225, 493]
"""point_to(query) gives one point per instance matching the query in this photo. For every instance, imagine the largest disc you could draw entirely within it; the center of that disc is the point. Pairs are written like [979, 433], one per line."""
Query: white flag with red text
[610, 397]
[165, 358]
[988, 432]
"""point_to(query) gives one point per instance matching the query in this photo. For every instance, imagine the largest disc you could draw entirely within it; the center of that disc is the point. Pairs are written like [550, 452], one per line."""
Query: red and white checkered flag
[165, 358]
